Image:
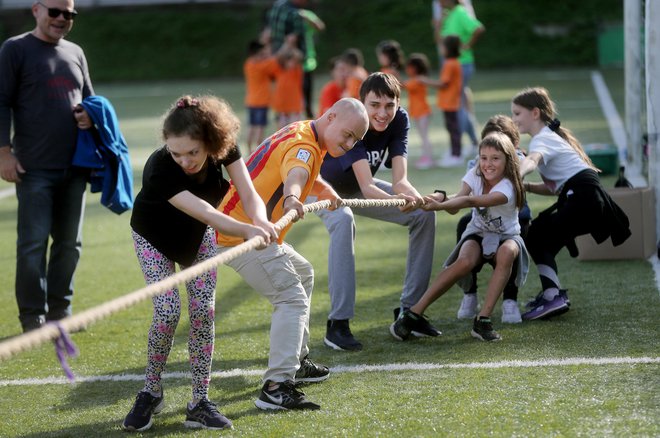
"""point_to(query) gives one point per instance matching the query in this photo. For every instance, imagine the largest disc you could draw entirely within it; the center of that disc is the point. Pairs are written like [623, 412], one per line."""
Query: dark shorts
[258, 116]
[477, 238]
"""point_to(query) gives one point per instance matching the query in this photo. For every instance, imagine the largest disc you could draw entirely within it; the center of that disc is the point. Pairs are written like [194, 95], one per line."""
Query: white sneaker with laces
[511, 312]
[469, 307]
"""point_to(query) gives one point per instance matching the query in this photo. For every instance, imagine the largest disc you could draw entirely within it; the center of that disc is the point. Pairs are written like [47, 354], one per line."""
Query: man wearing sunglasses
[43, 80]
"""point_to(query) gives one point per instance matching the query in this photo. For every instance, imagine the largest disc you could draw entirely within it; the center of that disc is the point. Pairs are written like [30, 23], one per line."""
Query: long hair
[208, 119]
[502, 143]
[538, 97]
[503, 124]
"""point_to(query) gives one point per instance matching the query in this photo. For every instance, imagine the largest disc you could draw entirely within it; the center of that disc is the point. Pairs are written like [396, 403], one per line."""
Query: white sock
[549, 294]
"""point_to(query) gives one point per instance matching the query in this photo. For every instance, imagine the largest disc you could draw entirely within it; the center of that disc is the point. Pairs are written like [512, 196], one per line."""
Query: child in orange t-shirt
[419, 109]
[356, 73]
[288, 97]
[259, 71]
[333, 90]
[449, 97]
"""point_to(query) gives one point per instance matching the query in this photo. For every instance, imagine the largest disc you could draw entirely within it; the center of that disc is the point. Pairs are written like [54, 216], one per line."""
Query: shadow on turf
[224, 392]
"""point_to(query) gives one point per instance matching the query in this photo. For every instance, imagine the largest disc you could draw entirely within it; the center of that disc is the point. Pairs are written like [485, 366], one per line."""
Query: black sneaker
[400, 328]
[309, 372]
[32, 323]
[284, 397]
[482, 328]
[419, 325]
[338, 336]
[146, 405]
[205, 415]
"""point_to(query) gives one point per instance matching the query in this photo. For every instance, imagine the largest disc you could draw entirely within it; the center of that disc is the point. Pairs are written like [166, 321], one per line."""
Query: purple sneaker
[547, 309]
[538, 300]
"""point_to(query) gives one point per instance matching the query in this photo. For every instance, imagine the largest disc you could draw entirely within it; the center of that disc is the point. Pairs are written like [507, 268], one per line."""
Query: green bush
[198, 41]
[173, 42]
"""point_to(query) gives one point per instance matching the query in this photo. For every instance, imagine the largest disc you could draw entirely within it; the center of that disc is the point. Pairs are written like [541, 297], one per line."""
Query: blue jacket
[104, 151]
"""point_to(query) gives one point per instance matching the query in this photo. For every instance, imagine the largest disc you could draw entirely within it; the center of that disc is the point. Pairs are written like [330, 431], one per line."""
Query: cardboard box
[639, 204]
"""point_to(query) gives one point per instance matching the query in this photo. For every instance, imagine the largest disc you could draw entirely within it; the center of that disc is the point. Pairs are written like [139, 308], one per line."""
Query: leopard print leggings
[167, 310]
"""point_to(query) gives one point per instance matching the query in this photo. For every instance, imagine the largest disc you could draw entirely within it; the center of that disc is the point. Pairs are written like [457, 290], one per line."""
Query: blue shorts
[258, 116]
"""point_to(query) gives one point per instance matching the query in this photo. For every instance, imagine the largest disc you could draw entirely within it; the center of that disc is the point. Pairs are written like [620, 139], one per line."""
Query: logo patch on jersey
[303, 155]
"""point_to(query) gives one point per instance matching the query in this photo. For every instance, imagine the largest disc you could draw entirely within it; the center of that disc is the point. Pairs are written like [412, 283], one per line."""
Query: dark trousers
[308, 86]
[451, 122]
[554, 228]
[50, 205]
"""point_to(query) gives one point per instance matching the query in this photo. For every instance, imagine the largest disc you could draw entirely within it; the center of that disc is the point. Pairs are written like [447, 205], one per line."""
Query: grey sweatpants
[341, 255]
[286, 279]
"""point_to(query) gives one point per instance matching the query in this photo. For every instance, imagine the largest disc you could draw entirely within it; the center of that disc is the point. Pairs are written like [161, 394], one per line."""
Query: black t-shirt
[171, 231]
[40, 83]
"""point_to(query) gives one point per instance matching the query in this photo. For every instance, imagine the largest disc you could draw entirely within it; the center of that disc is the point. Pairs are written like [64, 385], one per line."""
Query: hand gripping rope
[57, 331]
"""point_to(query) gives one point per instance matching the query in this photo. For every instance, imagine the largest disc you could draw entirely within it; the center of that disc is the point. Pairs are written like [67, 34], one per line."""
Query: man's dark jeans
[50, 204]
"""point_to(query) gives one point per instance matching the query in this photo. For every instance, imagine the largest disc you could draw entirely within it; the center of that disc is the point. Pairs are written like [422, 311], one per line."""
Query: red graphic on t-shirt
[60, 88]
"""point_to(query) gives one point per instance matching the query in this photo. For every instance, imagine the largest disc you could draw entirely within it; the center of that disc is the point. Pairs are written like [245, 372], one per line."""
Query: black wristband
[443, 194]
[288, 196]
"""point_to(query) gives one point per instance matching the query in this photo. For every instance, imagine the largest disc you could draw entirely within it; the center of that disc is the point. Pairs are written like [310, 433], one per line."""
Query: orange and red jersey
[258, 77]
[288, 95]
[449, 98]
[418, 106]
[295, 145]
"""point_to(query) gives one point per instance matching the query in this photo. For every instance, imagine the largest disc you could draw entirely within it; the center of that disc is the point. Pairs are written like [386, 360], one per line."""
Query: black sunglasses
[54, 12]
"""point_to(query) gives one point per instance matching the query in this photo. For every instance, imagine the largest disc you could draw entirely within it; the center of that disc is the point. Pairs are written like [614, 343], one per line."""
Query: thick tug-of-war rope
[81, 320]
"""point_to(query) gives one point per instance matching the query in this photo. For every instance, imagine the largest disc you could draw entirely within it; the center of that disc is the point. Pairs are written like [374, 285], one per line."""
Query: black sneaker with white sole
[400, 328]
[285, 396]
[482, 329]
[418, 325]
[139, 418]
[309, 372]
[205, 415]
[338, 336]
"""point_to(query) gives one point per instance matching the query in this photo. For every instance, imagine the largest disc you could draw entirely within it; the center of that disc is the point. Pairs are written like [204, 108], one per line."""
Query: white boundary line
[409, 366]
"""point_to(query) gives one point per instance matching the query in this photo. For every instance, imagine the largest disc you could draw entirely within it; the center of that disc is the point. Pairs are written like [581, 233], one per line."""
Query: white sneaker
[452, 161]
[510, 312]
[469, 307]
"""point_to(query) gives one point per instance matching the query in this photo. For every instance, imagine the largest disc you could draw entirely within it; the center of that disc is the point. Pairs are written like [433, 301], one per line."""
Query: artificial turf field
[594, 371]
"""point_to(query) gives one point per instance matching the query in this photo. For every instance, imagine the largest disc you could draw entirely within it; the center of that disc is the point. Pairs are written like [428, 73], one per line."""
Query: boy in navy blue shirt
[352, 176]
